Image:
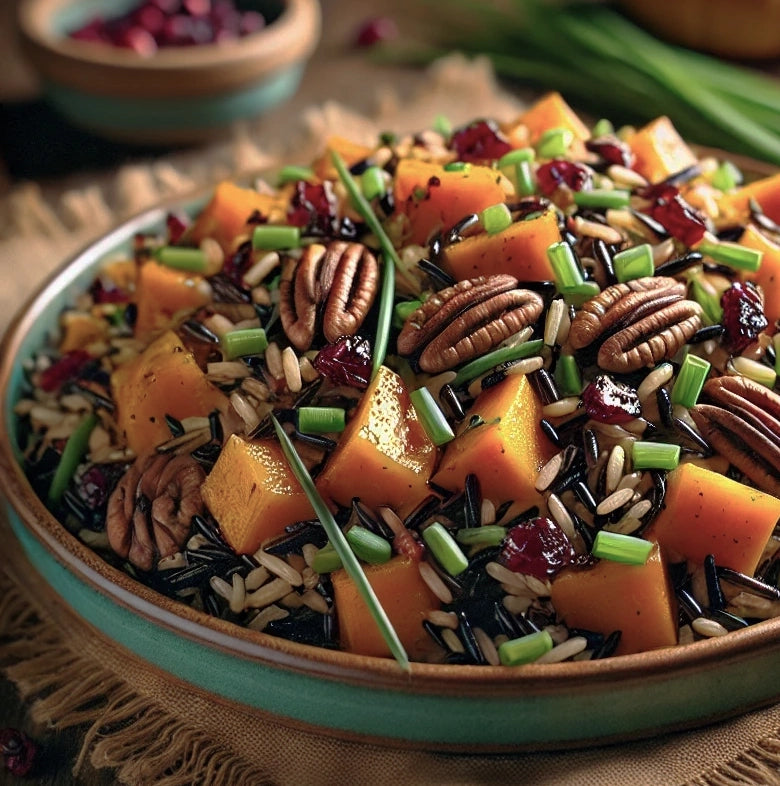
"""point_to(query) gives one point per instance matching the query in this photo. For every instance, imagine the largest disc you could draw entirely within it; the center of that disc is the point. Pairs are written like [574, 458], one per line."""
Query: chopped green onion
[621, 548]
[516, 164]
[273, 237]
[654, 455]
[326, 560]
[567, 375]
[342, 547]
[554, 142]
[487, 535]
[320, 420]
[369, 546]
[602, 127]
[243, 343]
[726, 177]
[525, 649]
[457, 166]
[634, 262]
[403, 309]
[194, 260]
[516, 156]
[501, 355]
[578, 294]
[372, 182]
[566, 268]
[74, 451]
[709, 301]
[496, 218]
[732, 254]
[690, 380]
[602, 198]
[444, 547]
[293, 173]
[526, 182]
[431, 416]
[443, 126]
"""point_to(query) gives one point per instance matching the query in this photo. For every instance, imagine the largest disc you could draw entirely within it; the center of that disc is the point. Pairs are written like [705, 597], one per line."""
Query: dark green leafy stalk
[74, 451]
[342, 548]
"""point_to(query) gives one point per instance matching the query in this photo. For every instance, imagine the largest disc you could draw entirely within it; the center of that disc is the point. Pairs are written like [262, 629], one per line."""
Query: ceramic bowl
[462, 708]
[178, 95]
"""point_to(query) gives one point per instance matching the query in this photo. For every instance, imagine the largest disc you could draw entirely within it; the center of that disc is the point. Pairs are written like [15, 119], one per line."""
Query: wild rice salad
[531, 369]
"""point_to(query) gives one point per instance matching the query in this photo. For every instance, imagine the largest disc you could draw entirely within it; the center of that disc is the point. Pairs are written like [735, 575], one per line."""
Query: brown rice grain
[218, 324]
[708, 628]
[552, 323]
[256, 578]
[622, 175]
[261, 296]
[310, 578]
[609, 234]
[525, 366]
[315, 601]
[265, 265]
[444, 619]
[517, 604]
[292, 370]
[273, 360]
[308, 372]
[279, 567]
[227, 370]
[517, 338]
[656, 379]
[450, 638]
[626, 525]
[614, 501]
[269, 593]
[616, 467]
[562, 407]
[487, 646]
[221, 587]
[245, 411]
[565, 650]
[292, 600]
[267, 615]
[562, 517]
[630, 480]
[309, 552]
[434, 582]
[487, 512]
[238, 595]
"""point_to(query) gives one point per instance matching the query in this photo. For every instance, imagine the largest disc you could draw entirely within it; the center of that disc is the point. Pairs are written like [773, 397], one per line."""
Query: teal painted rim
[458, 707]
[166, 115]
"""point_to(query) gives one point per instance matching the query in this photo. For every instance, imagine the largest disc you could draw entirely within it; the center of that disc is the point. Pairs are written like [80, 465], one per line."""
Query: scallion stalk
[243, 342]
[72, 454]
[445, 549]
[554, 142]
[326, 560]
[487, 535]
[690, 380]
[634, 262]
[492, 359]
[566, 268]
[496, 218]
[193, 260]
[369, 546]
[617, 547]
[525, 649]
[342, 548]
[372, 182]
[608, 198]
[567, 375]
[320, 420]
[431, 417]
[273, 237]
[732, 254]
[293, 172]
[654, 455]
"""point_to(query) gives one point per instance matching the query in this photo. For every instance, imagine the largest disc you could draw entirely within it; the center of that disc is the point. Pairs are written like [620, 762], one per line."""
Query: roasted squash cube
[552, 111]
[659, 150]
[768, 275]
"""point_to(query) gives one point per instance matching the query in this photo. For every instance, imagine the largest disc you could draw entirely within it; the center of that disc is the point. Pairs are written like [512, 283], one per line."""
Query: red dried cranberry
[107, 292]
[743, 316]
[674, 214]
[238, 263]
[18, 751]
[611, 402]
[375, 31]
[314, 206]
[63, 370]
[559, 172]
[95, 486]
[347, 361]
[538, 547]
[479, 142]
[176, 224]
[612, 150]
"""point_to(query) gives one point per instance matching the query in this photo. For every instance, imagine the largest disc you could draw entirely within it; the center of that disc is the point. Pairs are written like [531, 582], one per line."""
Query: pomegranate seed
[63, 370]
[347, 361]
[611, 402]
[18, 751]
[559, 172]
[676, 216]
[538, 547]
[479, 142]
[743, 316]
[374, 31]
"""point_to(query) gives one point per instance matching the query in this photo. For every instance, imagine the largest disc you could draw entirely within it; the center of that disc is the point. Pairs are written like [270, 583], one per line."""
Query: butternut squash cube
[163, 380]
[506, 452]
[433, 199]
[80, 330]
[637, 600]
[768, 275]
[404, 596]
[520, 250]
[384, 455]
[660, 150]
[707, 513]
[253, 494]
[735, 206]
[552, 111]
[351, 152]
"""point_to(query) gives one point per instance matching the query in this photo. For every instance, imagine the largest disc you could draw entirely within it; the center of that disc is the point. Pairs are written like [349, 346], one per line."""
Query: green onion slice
[326, 560]
[525, 649]
[342, 547]
[621, 548]
[602, 198]
[634, 262]
[457, 166]
[446, 550]
[320, 420]
[273, 237]
[369, 546]
[243, 342]
[293, 172]
[74, 451]
[709, 301]
[567, 375]
[372, 182]
[654, 455]
[496, 218]
[727, 176]
[732, 254]
[431, 416]
[487, 535]
[193, 260]
[568, 273]
[690, 380]
[492, 359]
[403, 309]
[554, 142]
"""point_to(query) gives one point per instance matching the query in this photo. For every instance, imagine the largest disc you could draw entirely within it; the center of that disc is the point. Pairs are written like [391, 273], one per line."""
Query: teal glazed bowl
[177, 95]
[435, 707]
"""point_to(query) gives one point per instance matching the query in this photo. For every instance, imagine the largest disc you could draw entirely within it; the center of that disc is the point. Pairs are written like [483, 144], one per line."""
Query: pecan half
[639, 323]
[333, 286]
[467, 319]
[741, 420]
[150, 510]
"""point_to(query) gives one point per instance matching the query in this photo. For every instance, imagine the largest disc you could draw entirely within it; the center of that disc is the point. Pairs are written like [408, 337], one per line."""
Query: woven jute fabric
[151, 727]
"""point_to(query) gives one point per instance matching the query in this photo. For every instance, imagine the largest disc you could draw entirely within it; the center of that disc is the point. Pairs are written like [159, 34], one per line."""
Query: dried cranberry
[315, 207]
[64, 370]
[676, 216]
[538, 547]
[743, 316]
[238, 263]
[105, 291]
[95, 486]
[176, 225]
[375, 31]
[612, 150]
[559, 172]
[18, 751]
[347, 361]
[611, 402]
[479, 142]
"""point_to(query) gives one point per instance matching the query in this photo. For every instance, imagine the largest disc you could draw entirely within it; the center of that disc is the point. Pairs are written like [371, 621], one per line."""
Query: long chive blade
[342, 548]
[75, 448]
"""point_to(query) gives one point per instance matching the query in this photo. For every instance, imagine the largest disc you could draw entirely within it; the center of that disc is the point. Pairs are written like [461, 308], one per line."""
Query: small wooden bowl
[178, 95]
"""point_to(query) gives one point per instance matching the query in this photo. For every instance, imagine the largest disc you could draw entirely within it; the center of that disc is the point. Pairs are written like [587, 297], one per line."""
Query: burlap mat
[154, 729]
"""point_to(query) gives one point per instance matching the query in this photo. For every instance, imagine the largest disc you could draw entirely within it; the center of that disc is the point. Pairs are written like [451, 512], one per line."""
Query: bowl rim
[86, 564]
[110, 70]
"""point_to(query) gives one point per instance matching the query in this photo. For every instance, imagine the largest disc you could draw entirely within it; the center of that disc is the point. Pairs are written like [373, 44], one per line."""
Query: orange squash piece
[520, 250]
[163, 380]
[659, 150]
[433, 199]
[80, 330]
[735, 205]
[768, 275]
[225, 217]
[351, 152]
[707, 513]
[163, 293]
[506, 452]
[637, 600]
[384, 455]
[403, 594]
[552, 111]
[253, 494]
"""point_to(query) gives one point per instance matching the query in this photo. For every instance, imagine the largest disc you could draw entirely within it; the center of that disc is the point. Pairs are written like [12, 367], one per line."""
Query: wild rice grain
[269, 593]
[279, 567]
[525, 366]
[434, 582]
[292, 370]
[552, 323]
[221, 587]
[630, 481]
[614, 501]
[616, 467]
[219, 324]
[708, 628]
[567, 649]
[245, 411]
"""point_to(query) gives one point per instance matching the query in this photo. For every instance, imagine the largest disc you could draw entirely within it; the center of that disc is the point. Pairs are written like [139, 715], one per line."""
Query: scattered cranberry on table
[18, 751]
[155, 24]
